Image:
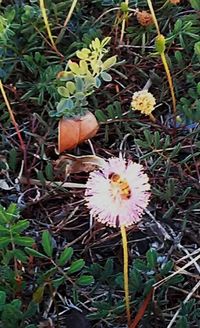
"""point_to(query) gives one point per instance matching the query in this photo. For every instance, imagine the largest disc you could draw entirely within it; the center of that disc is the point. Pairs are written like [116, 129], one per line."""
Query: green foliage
[189, 315]
[143, 274]
[81, 79]
[15, 246]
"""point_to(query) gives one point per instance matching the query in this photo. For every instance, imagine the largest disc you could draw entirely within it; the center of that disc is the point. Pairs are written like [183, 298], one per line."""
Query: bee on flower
[118, 193]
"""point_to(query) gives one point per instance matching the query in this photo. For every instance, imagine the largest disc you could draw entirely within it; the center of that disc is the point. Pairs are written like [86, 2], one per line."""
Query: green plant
[81, 79]
[57, 273]
[143, 274]
[15, 252]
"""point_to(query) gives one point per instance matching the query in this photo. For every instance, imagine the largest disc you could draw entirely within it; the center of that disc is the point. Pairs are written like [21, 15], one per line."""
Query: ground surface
[167, 239]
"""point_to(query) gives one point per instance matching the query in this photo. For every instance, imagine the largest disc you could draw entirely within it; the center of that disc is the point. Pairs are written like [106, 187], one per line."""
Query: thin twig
[196, 287]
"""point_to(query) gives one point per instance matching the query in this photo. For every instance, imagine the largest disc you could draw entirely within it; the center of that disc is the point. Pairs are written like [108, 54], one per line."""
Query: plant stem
[23, 148]
[153, 16]
[44, 15]
[163, 58]
[126, 288]
[123, 25]
[165, 64]
[71, 10]
[152, 118]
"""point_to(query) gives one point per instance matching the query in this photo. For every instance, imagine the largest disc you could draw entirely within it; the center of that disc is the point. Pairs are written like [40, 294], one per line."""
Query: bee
[122, 184]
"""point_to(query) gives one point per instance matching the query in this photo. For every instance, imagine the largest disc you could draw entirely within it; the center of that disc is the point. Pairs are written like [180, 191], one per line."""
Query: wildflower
[143, 101]
[118, 193]
[175, 2]
[144, 18]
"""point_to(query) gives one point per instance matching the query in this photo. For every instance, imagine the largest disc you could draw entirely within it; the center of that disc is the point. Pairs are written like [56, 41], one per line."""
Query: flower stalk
[160, 47]
[46, 22]
[124, 8]
[126, 287]
[12, 117]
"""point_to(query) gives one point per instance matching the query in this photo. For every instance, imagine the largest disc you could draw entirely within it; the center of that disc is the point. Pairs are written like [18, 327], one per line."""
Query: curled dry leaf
[72, 132]
[68, 164]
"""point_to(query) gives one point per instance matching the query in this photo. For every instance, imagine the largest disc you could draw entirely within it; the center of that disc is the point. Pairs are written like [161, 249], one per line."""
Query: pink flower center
[119, 187]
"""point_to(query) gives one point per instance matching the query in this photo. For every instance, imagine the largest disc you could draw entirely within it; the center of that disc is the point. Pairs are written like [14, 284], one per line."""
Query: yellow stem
[126, 288]
[123, 25]
[152, 118]
[71, 10]
[165, 64]
[44, 15]
[153, 16]
[74, 2]
[163, 58]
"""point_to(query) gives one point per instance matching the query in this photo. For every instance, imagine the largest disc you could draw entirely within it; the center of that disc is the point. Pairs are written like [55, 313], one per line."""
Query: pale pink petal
[110, 208]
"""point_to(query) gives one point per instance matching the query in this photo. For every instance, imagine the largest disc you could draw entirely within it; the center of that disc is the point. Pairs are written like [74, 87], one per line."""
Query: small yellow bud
[124, 7]
[160, 44]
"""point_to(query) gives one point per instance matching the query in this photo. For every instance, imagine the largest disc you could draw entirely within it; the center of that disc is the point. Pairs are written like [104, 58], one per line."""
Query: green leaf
[41, 177]
[85, 280]
[70, 87]
[12, 212]
[83, 53]
[97, 82]
[175, 280]
[106, 77]
[69, 104]
[30, 312]
[12, 160]
[4, 242]
[20, 226]
[197, 48]
[35, 253]
[109, 63]
[151, 258]
[182, 323]
[148, 286]
[57, 282]
[4, 231]
[135, 280]
[105, 41]
[38, 295]
[64, 92]
[74, 67]
[83, 67]
[166, 268]
[3, 216]
[2, 299]
[101, 117]
[139, 265]
[17, 253]
[76, 266]
[176, 150]
[195, 4]
[65, 76]
[79, 84]
[65, 256]
[47, 243]
[108, 268]
[23, 241]
[49, 171]
[96, 44]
